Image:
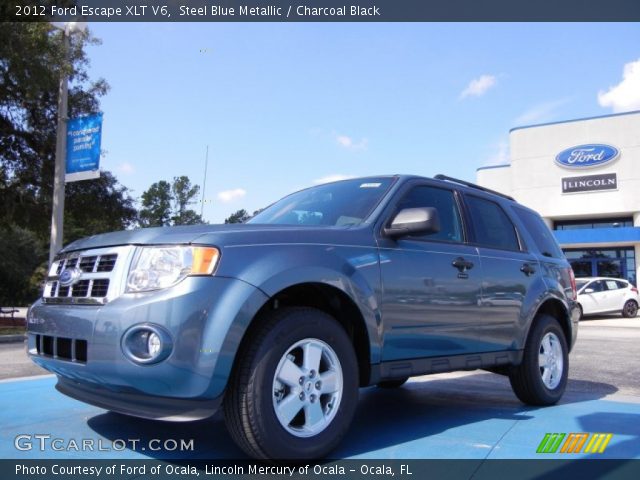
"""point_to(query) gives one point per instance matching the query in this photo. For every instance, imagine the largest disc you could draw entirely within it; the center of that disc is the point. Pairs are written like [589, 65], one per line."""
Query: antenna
[204, 181]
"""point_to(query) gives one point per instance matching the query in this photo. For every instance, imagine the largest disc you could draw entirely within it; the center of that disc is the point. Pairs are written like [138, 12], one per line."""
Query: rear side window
[492, 227]
[542, 236]
[444, 202]
[612, 285]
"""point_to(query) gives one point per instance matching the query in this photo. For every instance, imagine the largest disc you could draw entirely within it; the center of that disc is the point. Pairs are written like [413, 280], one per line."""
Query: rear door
[508, 269]
[616, 294]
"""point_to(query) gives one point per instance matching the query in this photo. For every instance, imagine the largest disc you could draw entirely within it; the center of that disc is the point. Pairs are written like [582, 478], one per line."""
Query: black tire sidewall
[297, 325]
[546, 396]
[624, 309]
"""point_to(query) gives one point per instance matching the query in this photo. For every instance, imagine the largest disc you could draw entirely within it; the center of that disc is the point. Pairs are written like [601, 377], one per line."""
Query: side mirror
[414, 221]
[588, 290]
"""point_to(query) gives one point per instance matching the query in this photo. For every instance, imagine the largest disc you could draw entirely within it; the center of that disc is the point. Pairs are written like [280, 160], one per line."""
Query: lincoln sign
[590, 183]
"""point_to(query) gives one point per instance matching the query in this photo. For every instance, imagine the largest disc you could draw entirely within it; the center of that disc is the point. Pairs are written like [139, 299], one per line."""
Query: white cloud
[478, 86]
[349, 143]
[625, 95]
[499, 155]
[332, 178]
[540, 113]
[227, 196]
[126, 168]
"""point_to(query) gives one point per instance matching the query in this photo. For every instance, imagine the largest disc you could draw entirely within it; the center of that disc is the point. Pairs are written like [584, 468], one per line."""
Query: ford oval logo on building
[587, 156]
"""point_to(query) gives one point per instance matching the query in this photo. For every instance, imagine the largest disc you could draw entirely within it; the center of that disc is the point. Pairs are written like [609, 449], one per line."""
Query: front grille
[100, 288]
[80, 289]
[92, 272]
[71, 349]
[87, 264]
[106, 263]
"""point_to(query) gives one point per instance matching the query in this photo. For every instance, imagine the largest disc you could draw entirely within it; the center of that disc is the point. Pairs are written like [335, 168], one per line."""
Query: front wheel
[294, 391]
[630, 309]
[541, 378]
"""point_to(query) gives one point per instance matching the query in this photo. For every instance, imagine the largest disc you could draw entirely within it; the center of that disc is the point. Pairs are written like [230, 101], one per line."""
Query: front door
[431, 285]
[595, 297]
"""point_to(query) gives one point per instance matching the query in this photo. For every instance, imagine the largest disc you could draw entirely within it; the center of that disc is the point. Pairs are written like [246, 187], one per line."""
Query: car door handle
[461, 264]
[527, 269]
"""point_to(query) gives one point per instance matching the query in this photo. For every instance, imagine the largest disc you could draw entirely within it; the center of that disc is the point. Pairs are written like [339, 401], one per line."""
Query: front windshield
[343, 203]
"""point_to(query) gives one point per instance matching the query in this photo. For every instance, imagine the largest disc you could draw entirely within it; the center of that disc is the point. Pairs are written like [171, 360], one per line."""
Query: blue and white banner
[83, 148]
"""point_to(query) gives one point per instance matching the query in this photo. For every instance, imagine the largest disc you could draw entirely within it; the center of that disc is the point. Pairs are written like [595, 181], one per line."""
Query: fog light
[146, 343]
[154, 344]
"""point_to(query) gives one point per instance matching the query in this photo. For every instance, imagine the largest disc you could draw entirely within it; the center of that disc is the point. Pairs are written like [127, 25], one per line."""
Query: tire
[395, 383]
[536, 385]
[294, 389]
[630, 309]
[581, 312]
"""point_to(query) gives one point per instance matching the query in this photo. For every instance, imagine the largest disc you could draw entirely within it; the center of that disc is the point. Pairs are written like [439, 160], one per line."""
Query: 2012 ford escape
[279, 321]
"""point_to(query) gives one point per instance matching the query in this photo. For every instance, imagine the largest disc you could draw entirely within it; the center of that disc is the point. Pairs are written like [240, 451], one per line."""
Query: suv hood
[222, 235]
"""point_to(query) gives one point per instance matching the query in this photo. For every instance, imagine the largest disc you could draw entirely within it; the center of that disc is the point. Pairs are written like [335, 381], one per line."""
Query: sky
[282, 106]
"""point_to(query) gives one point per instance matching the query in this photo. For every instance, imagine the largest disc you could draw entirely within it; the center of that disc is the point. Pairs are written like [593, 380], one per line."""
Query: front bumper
[206, 318]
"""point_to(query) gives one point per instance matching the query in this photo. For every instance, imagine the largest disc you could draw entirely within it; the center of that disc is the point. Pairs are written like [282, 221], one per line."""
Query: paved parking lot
[459, 415]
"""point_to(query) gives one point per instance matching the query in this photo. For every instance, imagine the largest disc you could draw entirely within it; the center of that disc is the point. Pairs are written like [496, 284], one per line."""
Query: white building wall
[534, 179]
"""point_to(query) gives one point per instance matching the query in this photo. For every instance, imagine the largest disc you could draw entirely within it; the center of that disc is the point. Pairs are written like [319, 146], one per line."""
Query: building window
[609, 262]
[593, 223]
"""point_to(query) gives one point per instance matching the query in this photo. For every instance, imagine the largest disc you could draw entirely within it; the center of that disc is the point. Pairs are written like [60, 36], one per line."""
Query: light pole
[57, 214]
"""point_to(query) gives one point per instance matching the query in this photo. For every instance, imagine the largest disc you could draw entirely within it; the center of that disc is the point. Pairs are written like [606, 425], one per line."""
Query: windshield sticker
[370, 185]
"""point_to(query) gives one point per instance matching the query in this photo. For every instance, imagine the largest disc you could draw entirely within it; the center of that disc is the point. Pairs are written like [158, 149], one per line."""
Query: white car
[607, 295]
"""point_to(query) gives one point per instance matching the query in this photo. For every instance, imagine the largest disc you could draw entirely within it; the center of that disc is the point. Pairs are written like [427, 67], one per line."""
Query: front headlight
[154, 268]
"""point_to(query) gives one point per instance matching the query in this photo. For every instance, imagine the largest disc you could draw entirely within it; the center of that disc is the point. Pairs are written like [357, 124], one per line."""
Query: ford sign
[586, 156]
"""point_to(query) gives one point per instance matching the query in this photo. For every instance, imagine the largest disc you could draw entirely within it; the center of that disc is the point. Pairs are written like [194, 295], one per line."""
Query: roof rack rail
[472, 185]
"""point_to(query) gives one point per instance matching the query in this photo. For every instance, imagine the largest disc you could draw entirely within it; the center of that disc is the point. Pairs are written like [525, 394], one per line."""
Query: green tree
[31, 61]
[167, 203]
[22, 254]
[156, 205]
[184, 194]
[97, 206]
[240, 216]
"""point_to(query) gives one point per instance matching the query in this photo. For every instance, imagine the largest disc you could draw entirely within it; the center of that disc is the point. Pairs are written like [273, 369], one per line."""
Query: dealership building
[583, 177]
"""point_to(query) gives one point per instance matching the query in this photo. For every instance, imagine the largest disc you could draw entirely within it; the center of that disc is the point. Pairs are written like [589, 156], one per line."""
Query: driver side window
[444, 202]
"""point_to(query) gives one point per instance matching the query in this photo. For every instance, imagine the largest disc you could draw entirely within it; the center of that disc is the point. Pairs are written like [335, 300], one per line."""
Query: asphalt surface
[472, 415]
[15, 363]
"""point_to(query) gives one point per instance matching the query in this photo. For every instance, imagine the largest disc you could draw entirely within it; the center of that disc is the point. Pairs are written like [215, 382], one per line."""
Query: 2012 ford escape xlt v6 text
[279, 321]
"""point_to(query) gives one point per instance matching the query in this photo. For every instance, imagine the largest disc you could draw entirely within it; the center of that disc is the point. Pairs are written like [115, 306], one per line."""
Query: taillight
[574, 289]
[634, 289]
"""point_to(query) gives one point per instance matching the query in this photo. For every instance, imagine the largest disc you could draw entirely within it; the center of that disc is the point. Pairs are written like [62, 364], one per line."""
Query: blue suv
[279, 321]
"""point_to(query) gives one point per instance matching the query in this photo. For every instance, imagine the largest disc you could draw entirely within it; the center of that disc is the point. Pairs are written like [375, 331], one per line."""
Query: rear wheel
[541, 378]
[630, 309]
[294, 391]
[395, 383]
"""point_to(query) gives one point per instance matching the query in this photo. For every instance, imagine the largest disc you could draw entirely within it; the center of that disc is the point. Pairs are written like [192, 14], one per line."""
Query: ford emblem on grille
[69, 276]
